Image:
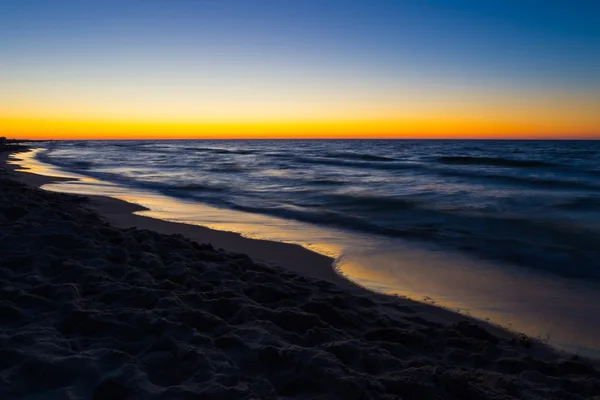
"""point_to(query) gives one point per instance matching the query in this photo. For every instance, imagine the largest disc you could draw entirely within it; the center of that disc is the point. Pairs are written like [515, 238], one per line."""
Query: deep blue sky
[302, 55]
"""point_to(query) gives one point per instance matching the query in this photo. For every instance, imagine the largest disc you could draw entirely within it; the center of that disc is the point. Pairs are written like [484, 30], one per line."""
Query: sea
[506, 231]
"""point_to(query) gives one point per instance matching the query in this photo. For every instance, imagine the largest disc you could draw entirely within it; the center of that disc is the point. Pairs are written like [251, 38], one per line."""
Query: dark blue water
[535, 204]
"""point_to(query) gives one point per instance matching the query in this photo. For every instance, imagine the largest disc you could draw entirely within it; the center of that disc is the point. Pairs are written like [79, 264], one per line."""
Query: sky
[300, 68]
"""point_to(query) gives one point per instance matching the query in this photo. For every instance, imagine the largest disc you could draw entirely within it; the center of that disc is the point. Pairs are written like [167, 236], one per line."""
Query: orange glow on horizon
[417, 129]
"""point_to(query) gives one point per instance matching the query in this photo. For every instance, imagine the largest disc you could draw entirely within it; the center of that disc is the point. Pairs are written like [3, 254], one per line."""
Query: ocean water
[506, 230]
[531, 203]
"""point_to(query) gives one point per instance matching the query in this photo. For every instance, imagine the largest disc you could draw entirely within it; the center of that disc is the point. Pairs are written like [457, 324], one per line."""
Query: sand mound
[88, 311]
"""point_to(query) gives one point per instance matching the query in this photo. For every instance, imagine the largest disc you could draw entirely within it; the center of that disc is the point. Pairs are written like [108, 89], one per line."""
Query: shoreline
[91, 310]
[121, 214]
[514, 298]
[293, 257]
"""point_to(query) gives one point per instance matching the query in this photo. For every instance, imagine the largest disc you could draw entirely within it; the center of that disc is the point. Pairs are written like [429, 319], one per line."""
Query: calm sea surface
[525, 215]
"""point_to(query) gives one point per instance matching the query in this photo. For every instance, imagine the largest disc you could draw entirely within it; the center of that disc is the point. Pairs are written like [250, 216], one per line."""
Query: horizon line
[316, 138]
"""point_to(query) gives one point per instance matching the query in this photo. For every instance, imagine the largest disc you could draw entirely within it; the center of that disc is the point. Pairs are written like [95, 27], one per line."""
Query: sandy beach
[100, 303]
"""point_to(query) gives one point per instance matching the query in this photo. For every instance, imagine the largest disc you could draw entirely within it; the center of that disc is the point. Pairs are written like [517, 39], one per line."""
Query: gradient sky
[299, 68]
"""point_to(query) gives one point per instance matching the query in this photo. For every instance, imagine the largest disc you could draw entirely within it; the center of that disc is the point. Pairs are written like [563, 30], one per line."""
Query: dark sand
[93, 309]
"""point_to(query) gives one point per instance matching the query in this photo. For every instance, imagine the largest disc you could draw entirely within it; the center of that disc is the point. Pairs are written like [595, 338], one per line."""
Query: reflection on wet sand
[537, 304]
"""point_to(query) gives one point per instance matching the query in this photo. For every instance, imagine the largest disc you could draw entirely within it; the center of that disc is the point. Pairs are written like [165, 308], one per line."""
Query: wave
[358, 192]
[326, 182]
[220, 150]
[68, 163]
[323, 217]
[581, 204]
[369, 202]
[146, 147]
[197, 187]
[358, 156]
[504, 239]
[390, 165]
[523, 180]
[493, 161]
[133, 182]
[278, 155]
[82, 165]
[228, 168]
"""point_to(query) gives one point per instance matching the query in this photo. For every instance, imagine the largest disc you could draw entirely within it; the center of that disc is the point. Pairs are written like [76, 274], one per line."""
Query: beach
[97, 302]
[486, 229]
